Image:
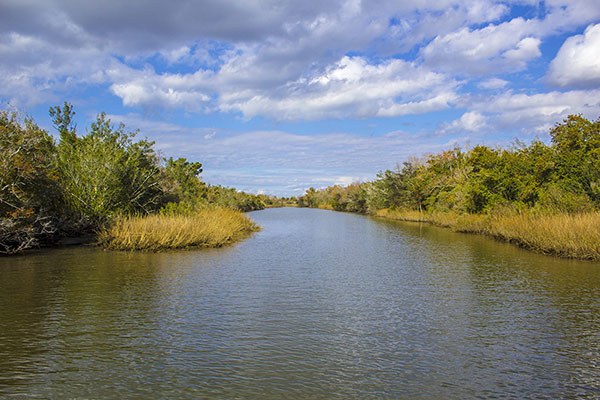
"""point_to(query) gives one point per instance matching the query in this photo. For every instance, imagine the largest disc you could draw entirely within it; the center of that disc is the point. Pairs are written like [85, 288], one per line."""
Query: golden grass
[213, 227]
[564, 235]
[471, 223]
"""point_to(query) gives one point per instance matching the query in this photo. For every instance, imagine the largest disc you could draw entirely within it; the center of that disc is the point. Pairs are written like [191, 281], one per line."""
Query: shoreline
[569, 236]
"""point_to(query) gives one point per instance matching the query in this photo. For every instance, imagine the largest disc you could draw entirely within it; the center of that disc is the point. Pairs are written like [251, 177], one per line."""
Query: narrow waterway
[317, 305]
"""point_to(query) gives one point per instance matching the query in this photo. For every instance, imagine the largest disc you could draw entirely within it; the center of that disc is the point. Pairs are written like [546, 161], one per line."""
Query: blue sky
[278, 96]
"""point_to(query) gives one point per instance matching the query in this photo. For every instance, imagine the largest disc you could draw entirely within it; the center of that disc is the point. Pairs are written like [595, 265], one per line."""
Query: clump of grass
[211, 227]
[562, 234]
[565, 235]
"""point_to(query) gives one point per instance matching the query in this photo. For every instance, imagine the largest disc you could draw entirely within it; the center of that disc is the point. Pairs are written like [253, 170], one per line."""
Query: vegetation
[544, 197]
[562, 234]
[88, 183]
[29, 197]
[228, 197]
[209, 227]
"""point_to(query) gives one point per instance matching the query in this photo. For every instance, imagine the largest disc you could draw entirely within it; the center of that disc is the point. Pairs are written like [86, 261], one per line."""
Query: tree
[106, 172]
[181, 181]
[577, 151]
[62, 119]
[29, 201]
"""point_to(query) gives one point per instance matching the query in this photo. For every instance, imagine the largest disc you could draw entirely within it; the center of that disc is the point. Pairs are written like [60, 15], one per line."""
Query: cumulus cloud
[536, 112]
[264, 52]
[577, 63]
[300, 60]
[350, 87]
[471, 121]
[563, 15]
[506, 47]
[148, 89]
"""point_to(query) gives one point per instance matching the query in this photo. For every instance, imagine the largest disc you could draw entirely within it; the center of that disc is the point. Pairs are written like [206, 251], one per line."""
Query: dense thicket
[49, 190]
[29, 196]
[562, 176]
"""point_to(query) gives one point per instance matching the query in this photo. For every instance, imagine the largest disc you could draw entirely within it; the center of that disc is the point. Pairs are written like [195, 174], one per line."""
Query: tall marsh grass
[564, 235]
[211, 227]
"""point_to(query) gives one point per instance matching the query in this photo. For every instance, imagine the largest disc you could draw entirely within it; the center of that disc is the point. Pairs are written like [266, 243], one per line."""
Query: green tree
[577, 151]
[181, 181]
[62, 119]
[29, 201]
[106, 172]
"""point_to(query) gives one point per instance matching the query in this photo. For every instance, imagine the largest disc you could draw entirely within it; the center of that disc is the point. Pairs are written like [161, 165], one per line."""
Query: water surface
[316, 305]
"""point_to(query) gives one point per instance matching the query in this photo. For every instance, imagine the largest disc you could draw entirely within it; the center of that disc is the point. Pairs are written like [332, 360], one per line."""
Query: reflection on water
[316, 305]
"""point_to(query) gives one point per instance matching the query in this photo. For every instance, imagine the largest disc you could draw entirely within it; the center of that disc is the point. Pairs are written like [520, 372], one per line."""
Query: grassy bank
[213, 227]
[564, 235]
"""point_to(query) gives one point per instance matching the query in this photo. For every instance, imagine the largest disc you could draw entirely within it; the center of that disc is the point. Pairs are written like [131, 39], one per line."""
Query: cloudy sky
[276, 96]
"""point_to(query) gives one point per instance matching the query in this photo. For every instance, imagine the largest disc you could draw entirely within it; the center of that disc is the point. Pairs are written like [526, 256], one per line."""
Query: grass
[564, 235]
[213, 227]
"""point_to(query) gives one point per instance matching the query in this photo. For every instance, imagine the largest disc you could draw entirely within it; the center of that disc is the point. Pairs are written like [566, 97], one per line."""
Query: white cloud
[536, 112]
[577, 63]
[309, 59]
[33, 71]
[506, 47]
[564, 15]
[349, 88]
[493, 83]
[527, 49]
[148, 89]
[471, 121]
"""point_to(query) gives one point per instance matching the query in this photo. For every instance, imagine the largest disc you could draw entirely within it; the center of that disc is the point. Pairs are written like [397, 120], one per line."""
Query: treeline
[560, 177]
[78, 185]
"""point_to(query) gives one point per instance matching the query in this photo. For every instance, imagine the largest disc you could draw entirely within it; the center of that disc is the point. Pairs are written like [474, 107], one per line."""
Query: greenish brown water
[316, 305]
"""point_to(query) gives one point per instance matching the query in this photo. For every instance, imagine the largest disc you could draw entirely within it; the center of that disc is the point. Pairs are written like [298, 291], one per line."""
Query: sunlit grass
[213, 227]
[565, 235]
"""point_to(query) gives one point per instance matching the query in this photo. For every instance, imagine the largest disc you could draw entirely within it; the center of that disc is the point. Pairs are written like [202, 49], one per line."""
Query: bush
[106, 173]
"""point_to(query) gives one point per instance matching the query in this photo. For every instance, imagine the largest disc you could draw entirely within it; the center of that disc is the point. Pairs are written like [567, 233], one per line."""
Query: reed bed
[213, 227]
[564, 235]
[470, 223]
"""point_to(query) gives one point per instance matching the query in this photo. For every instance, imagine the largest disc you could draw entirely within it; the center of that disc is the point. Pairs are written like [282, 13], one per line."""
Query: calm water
[317, 305]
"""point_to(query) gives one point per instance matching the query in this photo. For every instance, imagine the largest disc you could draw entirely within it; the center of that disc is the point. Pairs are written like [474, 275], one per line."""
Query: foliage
[232, 198]
[271, 201]
[106, 173]
[577, 153]
[561, 177]
[87, 182]
[181, 181]
[29, 198]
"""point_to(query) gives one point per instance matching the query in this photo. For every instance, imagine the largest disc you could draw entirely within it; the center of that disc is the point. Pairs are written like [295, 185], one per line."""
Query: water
[316, 305]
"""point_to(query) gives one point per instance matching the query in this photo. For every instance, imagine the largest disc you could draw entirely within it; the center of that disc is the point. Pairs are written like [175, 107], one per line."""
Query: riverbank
[211, 227]
[563, 235]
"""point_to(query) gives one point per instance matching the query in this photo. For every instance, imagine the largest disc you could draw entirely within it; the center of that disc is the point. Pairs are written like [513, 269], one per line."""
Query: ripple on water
[316, 305]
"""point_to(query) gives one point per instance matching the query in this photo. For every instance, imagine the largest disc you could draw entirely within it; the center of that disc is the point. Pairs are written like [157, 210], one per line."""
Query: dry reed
[212, 227]
[564, 235]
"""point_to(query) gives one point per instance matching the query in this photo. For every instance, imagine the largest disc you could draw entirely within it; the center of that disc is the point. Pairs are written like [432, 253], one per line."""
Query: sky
[278, 96]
